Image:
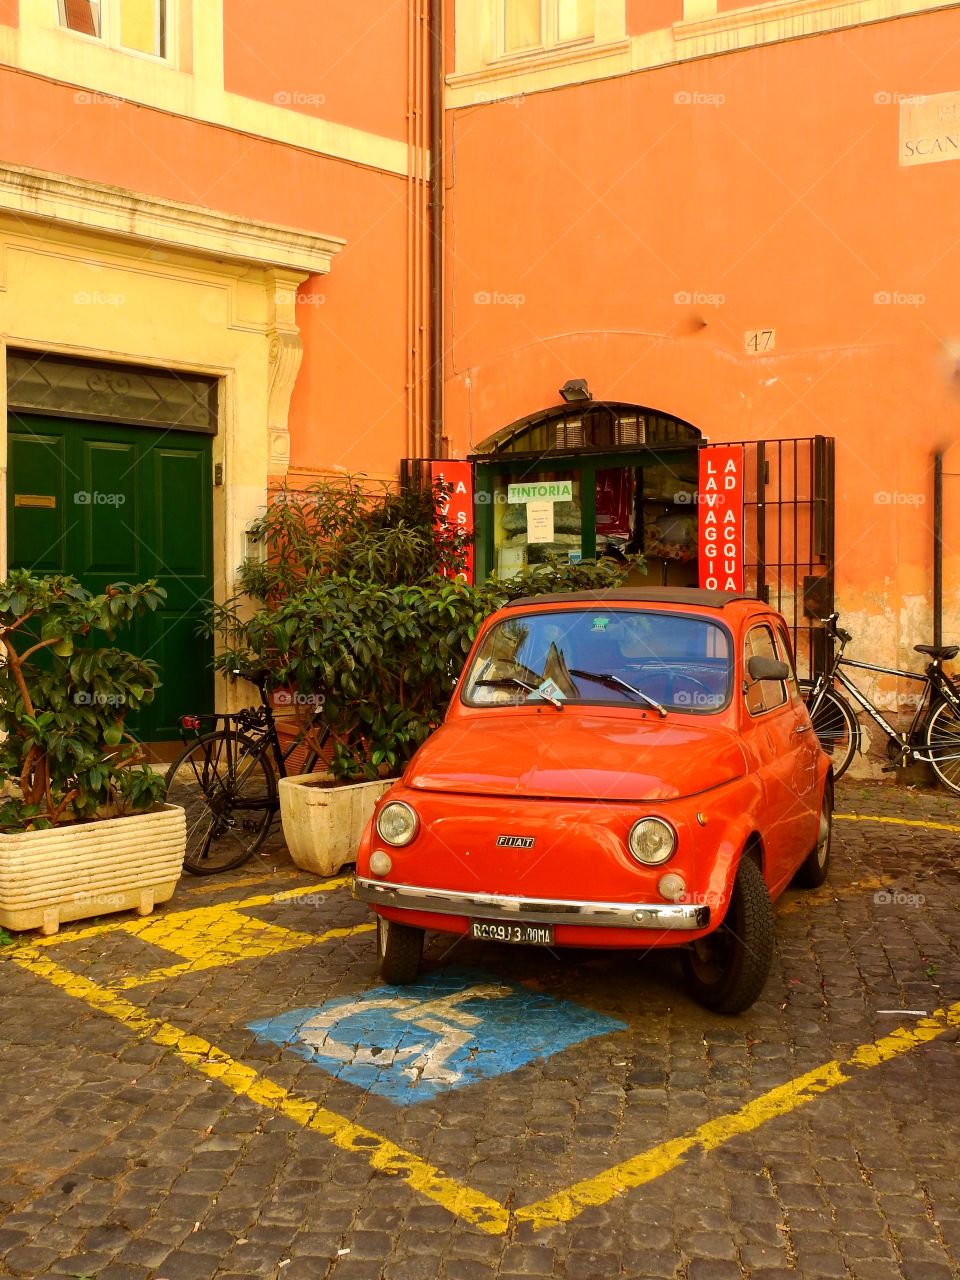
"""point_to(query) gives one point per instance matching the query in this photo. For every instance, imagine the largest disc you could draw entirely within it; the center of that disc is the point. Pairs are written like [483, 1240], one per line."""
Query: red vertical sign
[458, 508]
[720, 502]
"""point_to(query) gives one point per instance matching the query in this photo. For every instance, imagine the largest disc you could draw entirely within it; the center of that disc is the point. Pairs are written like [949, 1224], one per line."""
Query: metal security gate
[789, 536]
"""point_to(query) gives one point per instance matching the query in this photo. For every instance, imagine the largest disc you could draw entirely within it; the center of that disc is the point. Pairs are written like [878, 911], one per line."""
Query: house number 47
[757, 341]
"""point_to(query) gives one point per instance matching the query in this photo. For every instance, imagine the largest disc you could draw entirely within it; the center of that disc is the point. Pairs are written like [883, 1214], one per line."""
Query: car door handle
[803, 728]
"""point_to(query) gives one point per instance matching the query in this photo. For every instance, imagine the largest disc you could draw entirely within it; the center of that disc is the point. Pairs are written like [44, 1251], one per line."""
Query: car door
[780, 728]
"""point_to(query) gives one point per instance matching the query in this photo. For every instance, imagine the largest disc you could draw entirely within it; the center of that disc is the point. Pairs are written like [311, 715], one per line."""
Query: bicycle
[226, 778]
[934, 733]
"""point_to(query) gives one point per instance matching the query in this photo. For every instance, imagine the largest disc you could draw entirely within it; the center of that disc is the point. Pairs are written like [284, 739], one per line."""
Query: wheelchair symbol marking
[452, 1029]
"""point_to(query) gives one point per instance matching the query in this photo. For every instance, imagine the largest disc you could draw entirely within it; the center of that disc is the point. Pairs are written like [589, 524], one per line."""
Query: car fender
[726, 863]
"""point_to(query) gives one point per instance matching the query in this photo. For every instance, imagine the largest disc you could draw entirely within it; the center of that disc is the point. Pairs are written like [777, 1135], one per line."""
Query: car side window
[761, 695]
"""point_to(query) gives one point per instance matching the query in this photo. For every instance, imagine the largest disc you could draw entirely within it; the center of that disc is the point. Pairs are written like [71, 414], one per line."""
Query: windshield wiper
[614, 682]
[520, 684]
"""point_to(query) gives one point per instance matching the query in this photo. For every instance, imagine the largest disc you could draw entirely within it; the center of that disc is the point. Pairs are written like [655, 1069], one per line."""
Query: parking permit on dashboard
[550, 689]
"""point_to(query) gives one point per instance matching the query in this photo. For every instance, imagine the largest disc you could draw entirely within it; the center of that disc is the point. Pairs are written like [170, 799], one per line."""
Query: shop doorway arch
[578, 480]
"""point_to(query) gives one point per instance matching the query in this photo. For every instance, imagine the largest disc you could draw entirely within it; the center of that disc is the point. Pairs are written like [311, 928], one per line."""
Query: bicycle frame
[936, 684]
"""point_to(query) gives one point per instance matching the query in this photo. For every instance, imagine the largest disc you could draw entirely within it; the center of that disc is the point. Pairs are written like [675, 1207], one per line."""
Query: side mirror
[760, 668]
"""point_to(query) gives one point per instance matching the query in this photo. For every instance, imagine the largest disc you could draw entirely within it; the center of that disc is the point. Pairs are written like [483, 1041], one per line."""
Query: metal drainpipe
[436, 228]
[938, 548]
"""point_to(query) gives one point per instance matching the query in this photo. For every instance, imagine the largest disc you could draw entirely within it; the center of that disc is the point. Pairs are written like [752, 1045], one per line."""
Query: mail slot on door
[34, 500]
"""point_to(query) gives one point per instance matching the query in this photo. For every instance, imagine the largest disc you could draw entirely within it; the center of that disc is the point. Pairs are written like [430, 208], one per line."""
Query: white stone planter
[90, 869]
[322, 825]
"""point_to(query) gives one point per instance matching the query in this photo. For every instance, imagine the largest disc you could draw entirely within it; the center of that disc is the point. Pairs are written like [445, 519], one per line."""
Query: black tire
[727, 970]
[229, 793]
[816, 867]
[399, 952]
[943, 745]
[835, 726]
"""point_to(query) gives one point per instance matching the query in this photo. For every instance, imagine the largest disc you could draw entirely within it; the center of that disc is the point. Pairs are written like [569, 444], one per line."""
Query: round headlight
[652, 841]
[397, 823]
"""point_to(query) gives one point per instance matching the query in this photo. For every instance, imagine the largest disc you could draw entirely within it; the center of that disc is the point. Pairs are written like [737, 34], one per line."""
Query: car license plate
[537, 935]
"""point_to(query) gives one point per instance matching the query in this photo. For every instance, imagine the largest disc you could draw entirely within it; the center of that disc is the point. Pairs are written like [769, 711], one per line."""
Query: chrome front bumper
[494, 906]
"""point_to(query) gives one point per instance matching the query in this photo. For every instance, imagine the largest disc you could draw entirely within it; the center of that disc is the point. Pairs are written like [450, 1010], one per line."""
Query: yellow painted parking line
[567, 1204]
[139, 924]
[382, 1154]
[897, 822]
[251, 939]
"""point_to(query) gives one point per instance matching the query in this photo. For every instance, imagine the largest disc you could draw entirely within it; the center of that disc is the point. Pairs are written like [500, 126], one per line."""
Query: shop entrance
[606, 479]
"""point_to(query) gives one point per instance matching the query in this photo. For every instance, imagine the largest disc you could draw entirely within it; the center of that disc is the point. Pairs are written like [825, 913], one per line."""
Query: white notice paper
[539, 522]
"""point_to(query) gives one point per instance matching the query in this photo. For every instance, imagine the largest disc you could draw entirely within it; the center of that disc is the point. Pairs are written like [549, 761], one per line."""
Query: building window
[139, 26]
[81, 15]
[537, 24]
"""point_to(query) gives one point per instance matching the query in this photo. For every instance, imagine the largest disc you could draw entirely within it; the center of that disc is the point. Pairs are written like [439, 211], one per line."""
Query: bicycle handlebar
[256, 675]
[838, 633]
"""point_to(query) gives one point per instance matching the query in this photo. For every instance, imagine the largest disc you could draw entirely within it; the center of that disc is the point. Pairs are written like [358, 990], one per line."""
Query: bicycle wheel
[229, 795]
[943, 744]
[835, 725]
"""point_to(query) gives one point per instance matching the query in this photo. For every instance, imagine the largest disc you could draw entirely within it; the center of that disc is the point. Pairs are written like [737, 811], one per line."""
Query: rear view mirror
[760, 668]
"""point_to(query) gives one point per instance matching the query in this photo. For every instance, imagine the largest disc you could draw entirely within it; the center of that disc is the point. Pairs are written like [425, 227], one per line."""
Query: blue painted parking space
[449, 1030]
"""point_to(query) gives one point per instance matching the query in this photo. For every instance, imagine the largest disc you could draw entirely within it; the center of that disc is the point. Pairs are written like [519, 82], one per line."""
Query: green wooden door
[122, 504]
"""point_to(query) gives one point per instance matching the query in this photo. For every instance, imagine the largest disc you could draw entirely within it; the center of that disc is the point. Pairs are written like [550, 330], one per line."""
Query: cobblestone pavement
[531, 1115]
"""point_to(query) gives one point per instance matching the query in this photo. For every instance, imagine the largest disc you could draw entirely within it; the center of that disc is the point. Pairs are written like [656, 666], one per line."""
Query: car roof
[694, 597]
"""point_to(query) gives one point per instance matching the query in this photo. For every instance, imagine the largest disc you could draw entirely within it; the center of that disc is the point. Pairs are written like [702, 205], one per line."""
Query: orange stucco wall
[10, 12]
[348, 406]
[756, 190]
[341, 62]
[650, 15]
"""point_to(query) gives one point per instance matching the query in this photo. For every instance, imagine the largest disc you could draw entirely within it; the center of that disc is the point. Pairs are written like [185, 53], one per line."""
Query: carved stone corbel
[284, 355]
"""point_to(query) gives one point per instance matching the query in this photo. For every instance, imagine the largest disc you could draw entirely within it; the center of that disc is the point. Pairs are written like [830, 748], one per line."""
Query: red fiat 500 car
[629, 768]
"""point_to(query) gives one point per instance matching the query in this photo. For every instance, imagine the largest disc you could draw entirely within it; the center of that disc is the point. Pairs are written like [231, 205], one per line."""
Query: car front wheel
[399, 951]
[727, 970]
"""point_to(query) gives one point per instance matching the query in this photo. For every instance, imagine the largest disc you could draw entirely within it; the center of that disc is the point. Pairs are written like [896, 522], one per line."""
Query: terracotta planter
[322, 824]
[90, 869]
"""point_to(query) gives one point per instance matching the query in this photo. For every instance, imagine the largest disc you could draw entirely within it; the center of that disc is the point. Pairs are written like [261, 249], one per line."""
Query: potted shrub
[82, 831]
[357, 605]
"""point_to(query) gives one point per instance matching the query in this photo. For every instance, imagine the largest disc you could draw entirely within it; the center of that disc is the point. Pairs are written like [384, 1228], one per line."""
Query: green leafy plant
[358, 604]
[65, 753]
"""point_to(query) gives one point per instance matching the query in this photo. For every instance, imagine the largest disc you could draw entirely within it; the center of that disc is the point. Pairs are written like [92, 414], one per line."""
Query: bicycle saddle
[944, 651]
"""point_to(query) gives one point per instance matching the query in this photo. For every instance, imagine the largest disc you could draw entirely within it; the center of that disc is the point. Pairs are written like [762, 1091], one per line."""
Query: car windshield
[667, 660]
